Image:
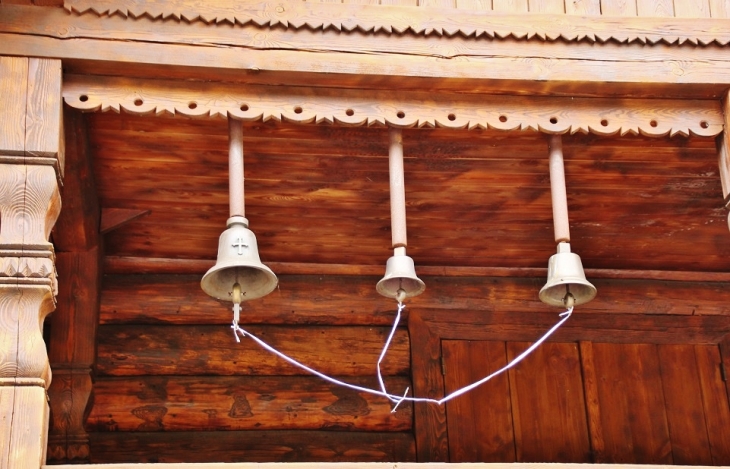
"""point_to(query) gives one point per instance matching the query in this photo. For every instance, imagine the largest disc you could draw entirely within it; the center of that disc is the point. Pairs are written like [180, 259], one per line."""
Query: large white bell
[566, 282]
[238, 262]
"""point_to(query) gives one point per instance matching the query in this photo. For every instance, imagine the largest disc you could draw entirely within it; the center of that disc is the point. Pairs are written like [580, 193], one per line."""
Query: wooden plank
[480, 422]
[593, 407]
[720, 8]
[510, 6]
[629, 384]
[437, 3]
[169, 350]
[548, 404]
[683, 398]
[258, 446]
[723, 151]
[474, 4]
[618, 7]
[655, 8]
[547, 6]
[616, 328]
[583, 7]
[715, 401]
[429, 421]
[207, 403]
[692, 9]
[352, 299]
[43, 117]
[14, 89]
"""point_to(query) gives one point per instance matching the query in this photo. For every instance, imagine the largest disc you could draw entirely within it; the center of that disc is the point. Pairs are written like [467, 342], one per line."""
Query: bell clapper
[400, 295]
[568, 299]
[237, 297]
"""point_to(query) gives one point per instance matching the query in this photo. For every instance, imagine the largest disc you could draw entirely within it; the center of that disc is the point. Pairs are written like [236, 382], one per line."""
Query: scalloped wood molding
[553, 115]
[421, 21]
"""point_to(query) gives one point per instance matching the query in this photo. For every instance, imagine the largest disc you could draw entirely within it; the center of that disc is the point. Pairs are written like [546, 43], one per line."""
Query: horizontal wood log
[125, 47]
[370, 465]
[259, 446]
[204, 403]
[617, 328]
[352, 300]
[196, 350]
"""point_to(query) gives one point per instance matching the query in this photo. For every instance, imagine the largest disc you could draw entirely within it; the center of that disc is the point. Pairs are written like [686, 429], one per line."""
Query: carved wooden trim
[554, 115]
[399, 20]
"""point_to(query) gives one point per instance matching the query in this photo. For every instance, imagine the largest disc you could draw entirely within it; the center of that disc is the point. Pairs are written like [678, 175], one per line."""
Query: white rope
[383, 391]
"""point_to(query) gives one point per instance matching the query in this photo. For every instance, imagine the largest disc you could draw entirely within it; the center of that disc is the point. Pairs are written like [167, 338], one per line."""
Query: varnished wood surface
[208, 403]
[251, 446]
[319, 194]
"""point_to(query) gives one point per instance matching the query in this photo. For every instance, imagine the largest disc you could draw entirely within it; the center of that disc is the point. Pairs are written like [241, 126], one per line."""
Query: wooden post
[397, 190]
[73, 326]
[723, 153]
[30, 160]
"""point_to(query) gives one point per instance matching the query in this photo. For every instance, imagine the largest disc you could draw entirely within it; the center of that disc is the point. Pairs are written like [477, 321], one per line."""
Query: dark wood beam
[113, 218]
[143, 47]
[72, 345]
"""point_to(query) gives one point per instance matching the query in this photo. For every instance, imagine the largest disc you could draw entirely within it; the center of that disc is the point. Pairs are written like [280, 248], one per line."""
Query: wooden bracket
[553, 115]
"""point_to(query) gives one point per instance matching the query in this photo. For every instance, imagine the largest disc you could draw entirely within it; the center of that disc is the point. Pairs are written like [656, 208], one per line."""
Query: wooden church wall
[173, 385]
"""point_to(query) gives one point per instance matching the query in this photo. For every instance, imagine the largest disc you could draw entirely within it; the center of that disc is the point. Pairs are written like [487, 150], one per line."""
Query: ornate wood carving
[553, 115]
[421, 21]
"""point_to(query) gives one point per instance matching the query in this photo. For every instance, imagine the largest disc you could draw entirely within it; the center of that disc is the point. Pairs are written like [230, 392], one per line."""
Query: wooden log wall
[173, 385]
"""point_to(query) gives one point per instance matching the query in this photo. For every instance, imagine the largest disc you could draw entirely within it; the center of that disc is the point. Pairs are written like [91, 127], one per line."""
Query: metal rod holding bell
[238, 274]
[566, 285]
[400, 280]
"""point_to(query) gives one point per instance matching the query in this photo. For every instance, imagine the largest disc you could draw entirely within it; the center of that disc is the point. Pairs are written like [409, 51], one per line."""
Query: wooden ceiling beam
[555, 115]
[143, 47]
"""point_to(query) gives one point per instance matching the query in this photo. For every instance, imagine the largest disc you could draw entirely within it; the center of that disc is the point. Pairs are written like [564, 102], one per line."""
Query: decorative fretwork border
[555, 115]
[393, 19]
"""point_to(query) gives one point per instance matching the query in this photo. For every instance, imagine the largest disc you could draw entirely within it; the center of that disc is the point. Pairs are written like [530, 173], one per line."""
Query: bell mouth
[400, 275]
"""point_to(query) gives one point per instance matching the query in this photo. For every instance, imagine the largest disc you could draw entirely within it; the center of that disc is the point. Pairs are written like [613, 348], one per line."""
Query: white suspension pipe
[235, 168]
[557, 190]
[397, 190]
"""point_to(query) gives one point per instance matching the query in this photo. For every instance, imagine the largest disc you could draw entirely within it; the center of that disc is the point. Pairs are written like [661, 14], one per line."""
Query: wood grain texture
[358, 108]
[77, 228]
[479, 423]
[715, 400]
[68, 396]
[201, 403]
[720, 8]
[629, 383]
[23, 309]
[583, 7]
[43, 116]
[547, 6]
[23, 440]
[683, 398]
[625, 8]
[14, 89]
[253, 446]
[530, 67]
[550, 378]
[29, 205]
[510, 6]
[166, 350]
[692, 9]
[655, 8]
[592, 401]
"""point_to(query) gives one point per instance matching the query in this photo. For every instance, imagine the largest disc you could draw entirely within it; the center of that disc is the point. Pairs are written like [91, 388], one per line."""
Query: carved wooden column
[31, 157]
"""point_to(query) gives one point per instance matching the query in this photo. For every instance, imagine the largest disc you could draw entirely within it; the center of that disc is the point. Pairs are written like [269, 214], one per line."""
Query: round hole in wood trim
[298, 110]
[704, 124]
[138, 102]
[244, 107]
[350, 112]
[401, 114]
[502, 118]
[192, 105]
[452, 117]
[653, 123]
[83, 98]
[553, 120]
[604, 122]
